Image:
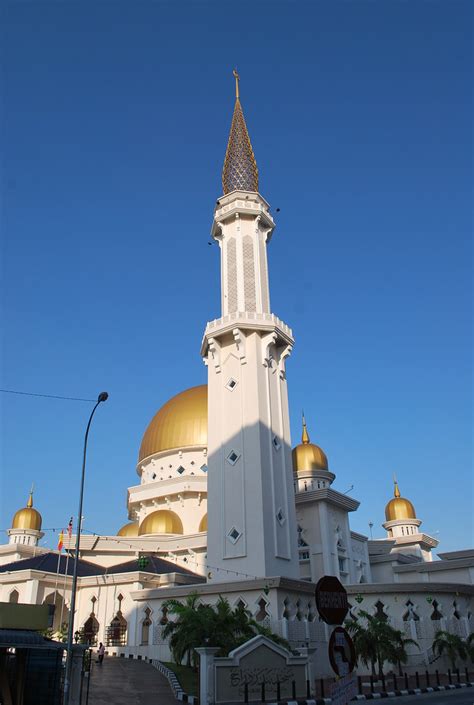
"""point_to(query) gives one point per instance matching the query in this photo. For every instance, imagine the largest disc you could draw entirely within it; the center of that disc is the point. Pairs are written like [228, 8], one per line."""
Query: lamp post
[103, 396]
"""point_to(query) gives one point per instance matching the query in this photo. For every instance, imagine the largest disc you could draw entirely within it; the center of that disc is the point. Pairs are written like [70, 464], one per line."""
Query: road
[463, 696]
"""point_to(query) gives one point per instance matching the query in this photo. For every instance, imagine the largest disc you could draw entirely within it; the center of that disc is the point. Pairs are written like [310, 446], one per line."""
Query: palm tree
[400, 642]
[364, 644]
[218, 625]
[470, 646]
[189, 629]
[376, 641]
[452, 645]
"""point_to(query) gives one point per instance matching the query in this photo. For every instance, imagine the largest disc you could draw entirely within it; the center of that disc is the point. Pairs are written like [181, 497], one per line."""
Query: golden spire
[396, 489]
[29, 504]
[305, 434]
[237, 79]
[240, 172]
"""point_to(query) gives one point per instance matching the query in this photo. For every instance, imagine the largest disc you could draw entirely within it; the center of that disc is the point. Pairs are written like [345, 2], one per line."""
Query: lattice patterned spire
[240, 168]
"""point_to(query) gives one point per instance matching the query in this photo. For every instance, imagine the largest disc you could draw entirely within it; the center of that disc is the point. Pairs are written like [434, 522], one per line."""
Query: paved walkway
[121, 681]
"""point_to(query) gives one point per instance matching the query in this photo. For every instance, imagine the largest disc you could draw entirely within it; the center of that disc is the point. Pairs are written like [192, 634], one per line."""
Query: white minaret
[251, 503]
[26, 525]
[402, 525]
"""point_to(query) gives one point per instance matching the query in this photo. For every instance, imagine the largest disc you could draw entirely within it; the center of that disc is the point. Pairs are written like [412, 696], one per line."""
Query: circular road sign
[331, 600]
[341, 652]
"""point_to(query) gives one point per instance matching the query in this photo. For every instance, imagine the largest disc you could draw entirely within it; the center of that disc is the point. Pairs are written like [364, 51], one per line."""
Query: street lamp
[103, 396]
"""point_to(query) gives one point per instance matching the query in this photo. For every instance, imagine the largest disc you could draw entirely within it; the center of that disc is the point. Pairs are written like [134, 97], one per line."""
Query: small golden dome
[28, 517]
[161, 522]
[181, 422]
[398, 507]
[130, 529]
[203, 523]
[307, 455]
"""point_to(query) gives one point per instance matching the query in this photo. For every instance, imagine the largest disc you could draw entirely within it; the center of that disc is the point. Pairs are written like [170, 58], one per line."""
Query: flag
[61, 540]
[69, 528]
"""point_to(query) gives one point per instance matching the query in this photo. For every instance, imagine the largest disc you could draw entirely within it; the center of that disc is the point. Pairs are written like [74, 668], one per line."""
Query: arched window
[146, 624]
[436, 615]
[117, 630]
[14, 597]
[262, 612]
[380, 612]
[90, 630]
[410, 614]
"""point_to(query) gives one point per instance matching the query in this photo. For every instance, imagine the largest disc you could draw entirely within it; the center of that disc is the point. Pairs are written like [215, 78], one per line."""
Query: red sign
[341, 652]
[331, 600]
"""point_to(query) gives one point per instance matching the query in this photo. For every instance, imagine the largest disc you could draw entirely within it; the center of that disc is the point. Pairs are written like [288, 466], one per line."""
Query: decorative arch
[117, 629]
[14, 597]
[90, 630]
[146, 624]
[410, 614]
[262, 613]
[58, 611]
[380, 611]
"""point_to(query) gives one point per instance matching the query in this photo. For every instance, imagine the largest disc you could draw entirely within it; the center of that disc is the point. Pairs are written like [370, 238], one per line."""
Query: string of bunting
[186, 559]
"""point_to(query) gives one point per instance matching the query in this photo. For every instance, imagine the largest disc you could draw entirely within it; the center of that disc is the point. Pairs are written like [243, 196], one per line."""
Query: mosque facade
[223, 505]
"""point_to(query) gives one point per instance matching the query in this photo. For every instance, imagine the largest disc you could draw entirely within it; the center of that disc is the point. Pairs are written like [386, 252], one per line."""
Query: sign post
[332, 604]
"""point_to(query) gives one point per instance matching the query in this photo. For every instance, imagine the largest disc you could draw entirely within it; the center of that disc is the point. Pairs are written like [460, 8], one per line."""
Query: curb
[413, 691]
[174, 683]
[378, 696]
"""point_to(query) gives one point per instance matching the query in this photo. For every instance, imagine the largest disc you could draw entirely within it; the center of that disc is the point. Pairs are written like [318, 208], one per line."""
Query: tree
[399, 644]
[376, 641]
[220, 625]
[452, 645]
[188, 630]
[470, 646]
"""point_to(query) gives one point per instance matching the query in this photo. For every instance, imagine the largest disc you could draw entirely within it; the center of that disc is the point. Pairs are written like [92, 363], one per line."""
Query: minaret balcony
[241, 203]
[247, 320]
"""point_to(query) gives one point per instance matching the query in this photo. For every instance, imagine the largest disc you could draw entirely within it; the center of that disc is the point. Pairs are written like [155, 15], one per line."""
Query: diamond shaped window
[234, 535]
[280, 516]
[231, 384]
[180, 470]
[233, 457]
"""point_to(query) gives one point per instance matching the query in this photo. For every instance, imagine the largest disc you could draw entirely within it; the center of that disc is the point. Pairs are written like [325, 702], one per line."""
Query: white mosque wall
[290, 611]
[332, 548]
[435, 572]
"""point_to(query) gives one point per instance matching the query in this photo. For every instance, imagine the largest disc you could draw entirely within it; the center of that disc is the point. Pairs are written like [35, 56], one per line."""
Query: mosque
[224, 506]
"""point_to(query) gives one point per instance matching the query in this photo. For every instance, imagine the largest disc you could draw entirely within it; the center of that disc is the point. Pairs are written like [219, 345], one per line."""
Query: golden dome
[308, 456]
[181, 422]
[161, 522]
[398, 507]
[203, 523]
[28, 517]
[130, 529]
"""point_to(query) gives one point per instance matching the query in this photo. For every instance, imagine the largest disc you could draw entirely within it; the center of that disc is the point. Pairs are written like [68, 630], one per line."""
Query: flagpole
[57, 576]
[69, 533]
[64, 591]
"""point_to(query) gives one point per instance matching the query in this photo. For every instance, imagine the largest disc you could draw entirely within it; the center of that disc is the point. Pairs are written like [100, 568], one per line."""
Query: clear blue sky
[115, 122]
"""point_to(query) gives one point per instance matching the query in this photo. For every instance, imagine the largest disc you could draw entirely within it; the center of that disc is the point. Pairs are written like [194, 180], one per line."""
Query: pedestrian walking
[101, 653]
